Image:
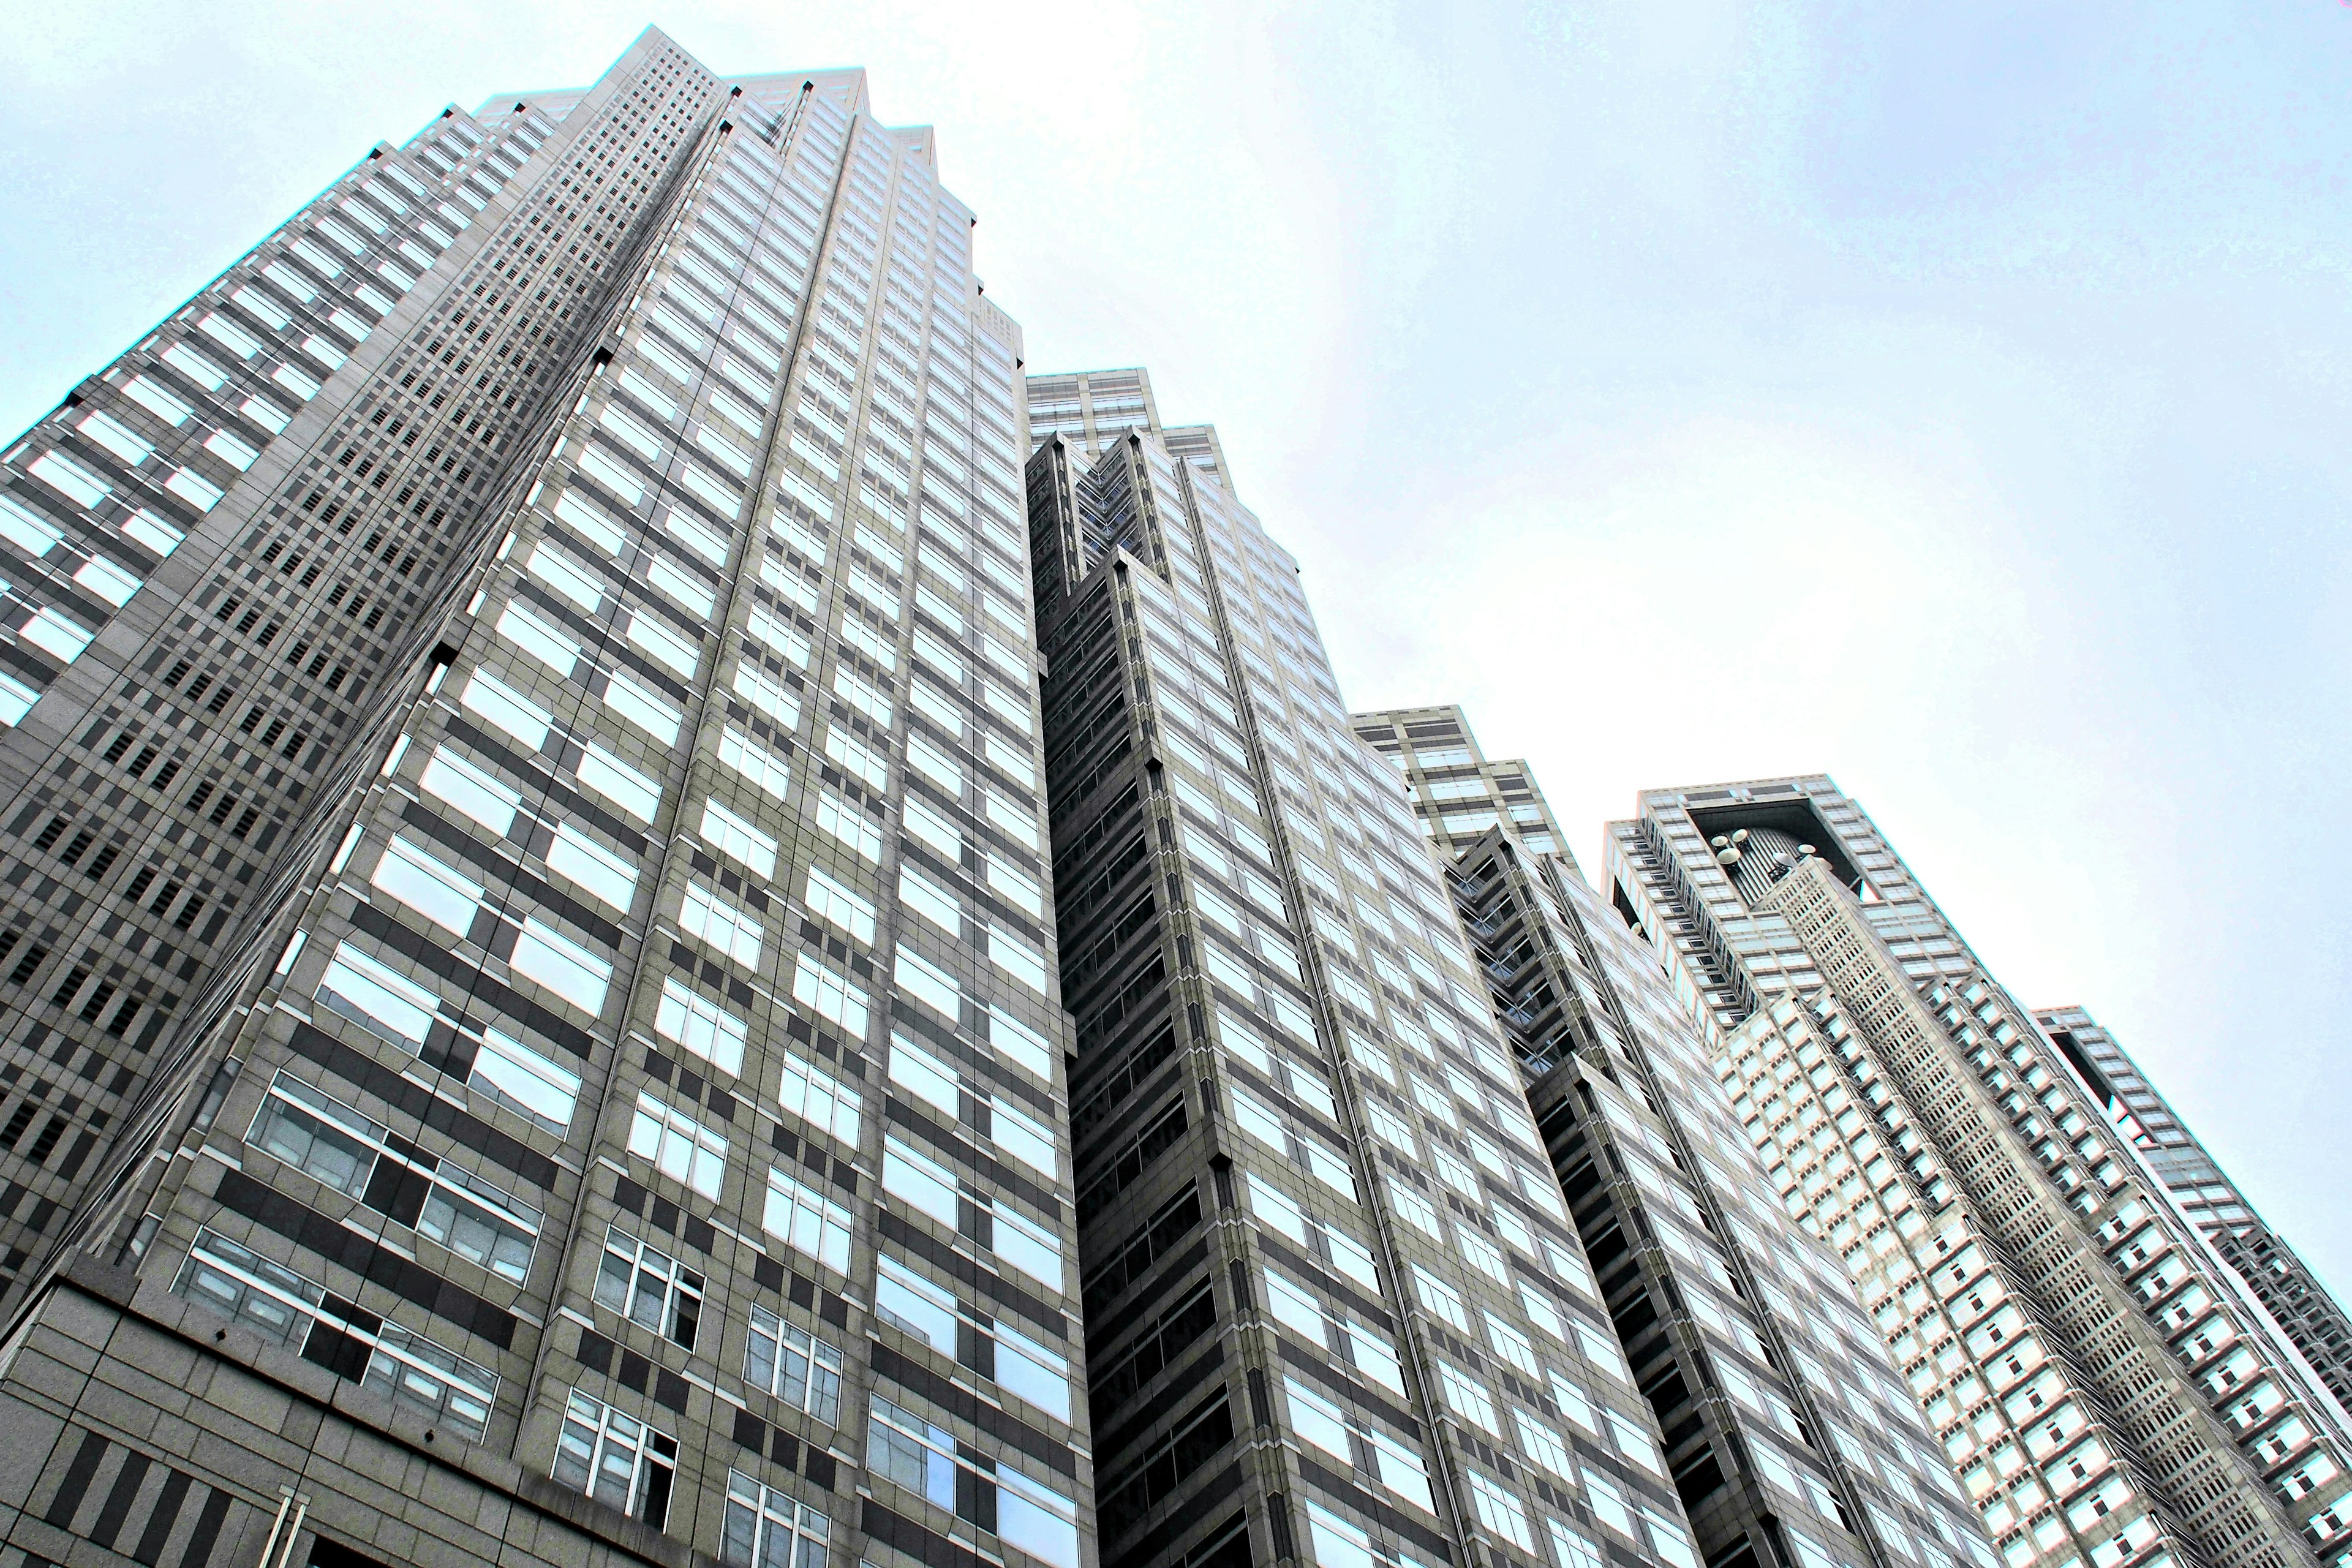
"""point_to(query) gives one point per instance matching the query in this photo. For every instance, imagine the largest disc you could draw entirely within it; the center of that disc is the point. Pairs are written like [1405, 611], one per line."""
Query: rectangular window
[738, 838]
[733, 930]
[807, 1221]
[680, 1147]
[794, 1366]
[831, 994]
[692, 1020]
[817, 1098]
[380, 1000]
[933, 987]
[524, 1079]
[835, 904]
[441, 894]
[617, 1459]
[545, 955]
[589, 867]
[765, 1527]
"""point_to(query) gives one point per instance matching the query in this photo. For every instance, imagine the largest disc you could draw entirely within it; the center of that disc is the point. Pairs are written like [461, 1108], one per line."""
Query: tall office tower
[2272, 1269]
[618, 1118]
[1457, 792]
[1790, 1436]
[2106, 1391]
[1334, 1312]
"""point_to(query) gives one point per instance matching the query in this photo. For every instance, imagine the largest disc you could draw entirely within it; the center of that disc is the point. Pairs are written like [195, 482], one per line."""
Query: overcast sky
[1956, 399]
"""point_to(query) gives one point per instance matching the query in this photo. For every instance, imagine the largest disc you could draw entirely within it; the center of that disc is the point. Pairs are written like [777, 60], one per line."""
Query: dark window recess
[1155, 1139]
[1199, 1437]
[1176, 1328]
[27, 965]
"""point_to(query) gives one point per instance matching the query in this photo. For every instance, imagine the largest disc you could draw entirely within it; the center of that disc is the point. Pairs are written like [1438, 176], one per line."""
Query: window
[1541, 1312]
[622, 784]
[518, 1077]
[927, 899]
[680, 1147]
[617, 1459]
[807, 1221]
[508, 709]
[640, 706]
[1500, 1511]
[285, 1307]
[818, 1099]
[850, 824]
[737, 933]
[933, 987]
[1544, 1446]
[1018, 958]
[649, 1287]
[794, 1366]
[857, 758]
[835, 904]
[830, 994]
[765, 1527]
[317, 1135]
[480, 1223]
[591, 868]
[1441, 1299]
[563, 967]
[1512, 1345]
[903, 1448]
[753, 763]
[768, 695]
[441, 894]
[1572, 1547]
[692, 1020]
[1467, 1397]
[380, 1000]
[1609, 1503]
[1029, 1248]
[739, 839]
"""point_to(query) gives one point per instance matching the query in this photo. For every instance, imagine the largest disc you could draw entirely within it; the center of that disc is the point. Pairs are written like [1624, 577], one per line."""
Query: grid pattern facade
[1790, 1436]
[2311, 1317]
[1457, 792]
[1334, 1309]
[623, 1120]
[2095, 1371]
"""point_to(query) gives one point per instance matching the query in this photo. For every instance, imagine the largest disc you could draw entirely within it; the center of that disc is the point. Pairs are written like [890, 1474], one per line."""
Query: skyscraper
[2206, 1198]
[522, 699]
[1789, 1435]
[2108, 1392]
[1334, 1310]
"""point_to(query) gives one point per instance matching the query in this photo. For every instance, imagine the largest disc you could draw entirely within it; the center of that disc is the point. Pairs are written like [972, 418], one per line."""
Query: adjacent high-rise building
[2287, 1288]
[1788, 1434]
[526, 839]
[548, 1017]
[1335, 1311]
[2109, 1387]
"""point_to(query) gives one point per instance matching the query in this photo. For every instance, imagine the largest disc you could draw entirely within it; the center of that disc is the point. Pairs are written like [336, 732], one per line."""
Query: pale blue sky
[1953, 398]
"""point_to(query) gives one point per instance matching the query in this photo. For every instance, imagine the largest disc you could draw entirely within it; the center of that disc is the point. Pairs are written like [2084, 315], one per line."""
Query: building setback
[1790, 1437]
[2288, 1290]
[1334, 1310]
[532, 851]
[2106, 1388]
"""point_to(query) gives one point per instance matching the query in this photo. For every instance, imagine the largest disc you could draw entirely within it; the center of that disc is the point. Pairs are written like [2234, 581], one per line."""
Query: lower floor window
[766, 1529]
[302, 1315]
[617, 1459]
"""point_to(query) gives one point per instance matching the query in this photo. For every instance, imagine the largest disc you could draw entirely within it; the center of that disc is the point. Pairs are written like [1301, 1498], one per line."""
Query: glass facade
[1335, 1309]
[551, 633]
[2110, 1388]
[1788, 1432]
